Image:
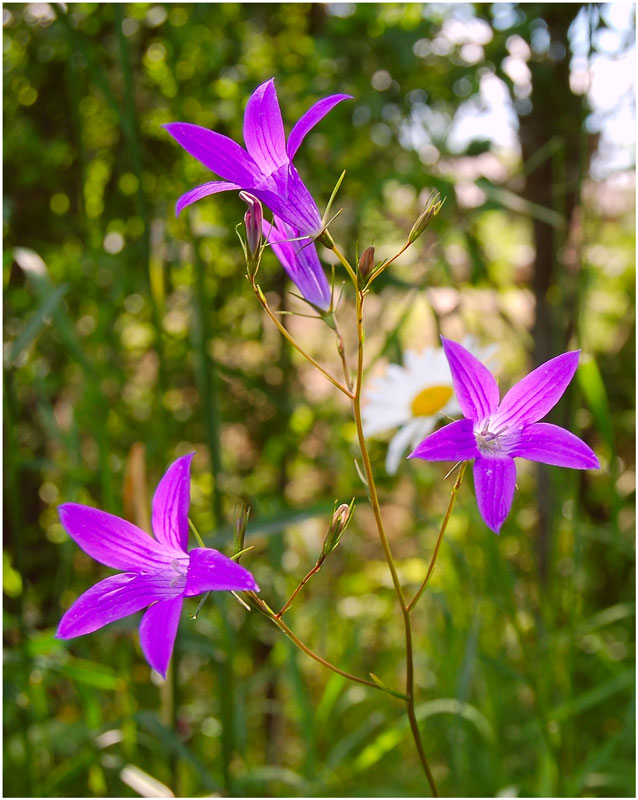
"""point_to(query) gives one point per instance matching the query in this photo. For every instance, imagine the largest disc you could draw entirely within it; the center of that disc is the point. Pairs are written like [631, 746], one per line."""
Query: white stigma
[492, 438]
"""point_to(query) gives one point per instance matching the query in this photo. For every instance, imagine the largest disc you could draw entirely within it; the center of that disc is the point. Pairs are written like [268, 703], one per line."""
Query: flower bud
[253, 219]
[340, 520]
[239, 529]
[432, 208]
[326, 239]
[366, 262]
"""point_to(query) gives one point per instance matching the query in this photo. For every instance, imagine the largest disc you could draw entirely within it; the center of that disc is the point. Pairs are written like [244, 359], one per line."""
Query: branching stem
[265, 609]
[341, 349]
[376, 510]
[264, 304]
[382, 268]
[302, 583]
[355, 397]
[446, 519]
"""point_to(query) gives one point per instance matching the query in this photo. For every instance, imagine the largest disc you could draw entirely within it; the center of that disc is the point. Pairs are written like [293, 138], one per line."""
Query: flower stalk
[338, 524]
[265, 609]
[432, 208]
[264, 304]
[446, 519]
[376, 510]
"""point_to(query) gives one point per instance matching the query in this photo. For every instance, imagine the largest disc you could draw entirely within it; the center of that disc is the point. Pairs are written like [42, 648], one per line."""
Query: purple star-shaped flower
[301, 262]
[265, 167]
[158, 572]
[495, 434]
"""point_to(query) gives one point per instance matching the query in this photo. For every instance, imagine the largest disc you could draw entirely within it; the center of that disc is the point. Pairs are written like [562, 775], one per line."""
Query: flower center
[180, 571]
[487, 442]
[496, 441]
[430, 400]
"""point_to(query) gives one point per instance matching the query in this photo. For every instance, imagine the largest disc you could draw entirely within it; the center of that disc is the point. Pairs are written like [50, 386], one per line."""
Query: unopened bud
[432, 208]
[339, 522]
[253, 219]
[366, 262]
[326, 239]
[239, 529]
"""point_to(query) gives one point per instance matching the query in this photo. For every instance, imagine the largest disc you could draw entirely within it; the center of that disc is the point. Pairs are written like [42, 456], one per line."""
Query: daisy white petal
[413, 397]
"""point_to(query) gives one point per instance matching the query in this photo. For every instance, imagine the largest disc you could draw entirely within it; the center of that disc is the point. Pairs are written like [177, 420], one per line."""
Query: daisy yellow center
[430, 400]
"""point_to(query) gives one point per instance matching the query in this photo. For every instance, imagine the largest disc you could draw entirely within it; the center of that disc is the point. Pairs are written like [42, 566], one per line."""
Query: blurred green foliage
[125, 325]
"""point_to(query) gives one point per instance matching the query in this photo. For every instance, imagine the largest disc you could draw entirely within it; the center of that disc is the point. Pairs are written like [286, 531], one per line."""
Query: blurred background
[131, 337]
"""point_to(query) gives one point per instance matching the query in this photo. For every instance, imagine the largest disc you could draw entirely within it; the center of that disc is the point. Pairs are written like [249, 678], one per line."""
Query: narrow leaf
[36, 322]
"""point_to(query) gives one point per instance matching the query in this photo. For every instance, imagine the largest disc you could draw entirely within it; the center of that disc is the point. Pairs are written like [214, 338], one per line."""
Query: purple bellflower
[495, 434]
[158, 572]
[265, 167]
[301, 262]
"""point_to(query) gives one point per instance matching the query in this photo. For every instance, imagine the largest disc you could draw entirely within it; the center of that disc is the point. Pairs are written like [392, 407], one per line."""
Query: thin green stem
[376, 510]
[346, 264]
[382, 268]
[372, 489]
[302, 583]
[446, 519]
[195, 532]
[341, 349]
[264, 304]
[265, 609]
[355, 397]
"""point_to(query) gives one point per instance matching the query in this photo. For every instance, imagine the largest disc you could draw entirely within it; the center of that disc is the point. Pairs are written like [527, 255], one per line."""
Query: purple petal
[264, 129]
[474, 385]
[301, 262]
[287, 196]
[170, 505]
[111, 599]
[111, 540]
[217, 152]
[312, 116]
[494, 483]
[533, 396]
[157, 633]
[203, 191]
[551, 444]
[210, 569]
[454, 442]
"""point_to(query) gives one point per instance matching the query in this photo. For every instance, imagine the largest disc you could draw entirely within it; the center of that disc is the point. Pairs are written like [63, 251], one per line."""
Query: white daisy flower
[413, 398]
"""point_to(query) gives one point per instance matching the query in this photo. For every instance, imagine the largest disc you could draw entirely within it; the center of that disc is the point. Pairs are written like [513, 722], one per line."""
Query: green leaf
[172, 743]
[391, 736]
[69, 770]
[90, 673]
[260, 775]
[586, 700]
[11, 578]
[36, 322]
[593, 389]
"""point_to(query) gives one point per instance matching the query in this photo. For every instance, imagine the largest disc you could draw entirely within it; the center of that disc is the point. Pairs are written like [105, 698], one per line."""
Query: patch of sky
[603, 69]
[505, 15]
[606, 71]
[340, 9]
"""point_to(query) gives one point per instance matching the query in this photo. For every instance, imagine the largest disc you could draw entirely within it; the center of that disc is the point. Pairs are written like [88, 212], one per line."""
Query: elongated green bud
[340, 520]
[326, 239]
[432, 208]
[366, 262]
[253, 219]
[239, 529]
